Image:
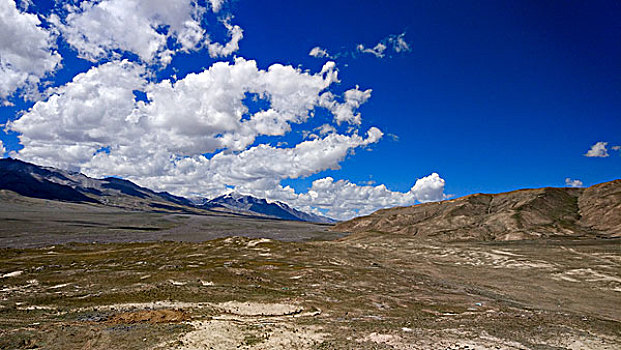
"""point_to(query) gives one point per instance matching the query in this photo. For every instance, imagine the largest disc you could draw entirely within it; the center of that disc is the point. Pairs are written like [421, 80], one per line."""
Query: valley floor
[30, 223]
[364, 291]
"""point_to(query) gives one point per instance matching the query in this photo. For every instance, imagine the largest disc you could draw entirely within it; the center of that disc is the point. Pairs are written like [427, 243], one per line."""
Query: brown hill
[521, 214]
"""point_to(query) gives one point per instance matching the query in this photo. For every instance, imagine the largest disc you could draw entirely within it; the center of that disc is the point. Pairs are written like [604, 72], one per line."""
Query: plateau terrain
[105, 264]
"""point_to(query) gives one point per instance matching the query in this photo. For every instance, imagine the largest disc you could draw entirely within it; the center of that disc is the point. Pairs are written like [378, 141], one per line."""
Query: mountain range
[35, 181]
[523, 214]
[244, 203]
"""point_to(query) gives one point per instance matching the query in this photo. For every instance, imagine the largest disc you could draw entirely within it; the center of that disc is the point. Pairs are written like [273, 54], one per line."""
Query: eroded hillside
[522, 214]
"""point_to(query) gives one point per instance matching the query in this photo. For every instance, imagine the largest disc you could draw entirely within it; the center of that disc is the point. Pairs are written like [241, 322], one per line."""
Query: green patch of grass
[252, 339]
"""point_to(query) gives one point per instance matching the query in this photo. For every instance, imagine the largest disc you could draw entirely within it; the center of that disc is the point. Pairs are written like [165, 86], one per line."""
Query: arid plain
[292, 285]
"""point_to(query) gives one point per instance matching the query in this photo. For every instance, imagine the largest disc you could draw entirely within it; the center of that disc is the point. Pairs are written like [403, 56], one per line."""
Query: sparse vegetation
[521, 293]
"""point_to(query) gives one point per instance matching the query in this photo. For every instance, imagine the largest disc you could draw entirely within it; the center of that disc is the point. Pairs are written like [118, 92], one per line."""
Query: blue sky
[489, 96]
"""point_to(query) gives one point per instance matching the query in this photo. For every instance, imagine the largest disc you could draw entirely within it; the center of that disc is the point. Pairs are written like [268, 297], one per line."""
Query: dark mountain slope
[30, 180]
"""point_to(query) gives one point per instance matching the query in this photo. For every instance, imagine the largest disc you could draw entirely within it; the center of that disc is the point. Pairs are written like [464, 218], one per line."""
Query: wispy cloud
[377, 50]
[392, 44]
[318, 52]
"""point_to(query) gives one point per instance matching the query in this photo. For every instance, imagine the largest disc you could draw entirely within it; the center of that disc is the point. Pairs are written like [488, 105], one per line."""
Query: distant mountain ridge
[35, 181]
[523, 214]
[31, 180]
[239, 202]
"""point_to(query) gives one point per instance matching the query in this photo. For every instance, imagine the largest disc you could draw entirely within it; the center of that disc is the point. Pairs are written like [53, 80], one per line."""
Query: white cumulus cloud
[343, 199]
[306, 158]
[196, 137]
[27, 50]
[573, 182]
[256, 171]
[105, 28]
[205, 111]
[429, 189]
[598, 150]
[199, 114]
[86, 114]
[202, 113]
